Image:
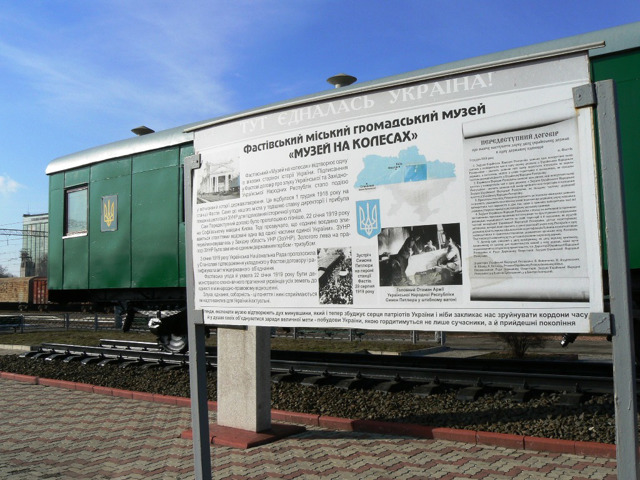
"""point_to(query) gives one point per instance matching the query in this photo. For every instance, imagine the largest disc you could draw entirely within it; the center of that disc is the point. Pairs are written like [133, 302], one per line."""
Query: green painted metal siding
[110, 251]
[75, 264]
[147, 249]
[154, 219]
[73, 178]
[155, 160]
[111, 169]
[185, 151]
[624, 69]
[56, 220]
[75, 250]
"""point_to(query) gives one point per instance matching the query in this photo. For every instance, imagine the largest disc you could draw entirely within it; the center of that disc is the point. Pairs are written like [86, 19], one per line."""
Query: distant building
[35, 245]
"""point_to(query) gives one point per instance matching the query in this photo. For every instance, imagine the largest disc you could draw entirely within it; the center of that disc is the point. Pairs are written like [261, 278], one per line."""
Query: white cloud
[8, 185]
[159, 59]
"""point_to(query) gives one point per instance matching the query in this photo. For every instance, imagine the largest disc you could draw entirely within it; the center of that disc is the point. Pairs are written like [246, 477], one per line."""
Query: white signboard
[462, 203]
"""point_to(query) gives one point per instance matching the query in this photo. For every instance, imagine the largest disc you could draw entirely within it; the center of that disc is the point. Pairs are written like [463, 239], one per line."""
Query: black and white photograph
[420, 255]
[218, 181]
[335, 276]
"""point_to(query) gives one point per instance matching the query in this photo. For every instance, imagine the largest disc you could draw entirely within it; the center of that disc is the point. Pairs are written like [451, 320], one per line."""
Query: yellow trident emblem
[109, 212]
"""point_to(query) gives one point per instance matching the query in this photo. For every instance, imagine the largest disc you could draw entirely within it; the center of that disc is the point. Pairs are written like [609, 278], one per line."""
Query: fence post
[66, 321]
[21, 323]
[95, 322]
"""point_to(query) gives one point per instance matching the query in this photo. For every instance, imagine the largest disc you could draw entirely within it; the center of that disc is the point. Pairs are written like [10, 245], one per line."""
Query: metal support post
[196, 336]
[624, 368]
[199, 406]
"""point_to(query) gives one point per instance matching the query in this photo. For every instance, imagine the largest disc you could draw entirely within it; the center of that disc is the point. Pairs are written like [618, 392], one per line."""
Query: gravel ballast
[541, 416]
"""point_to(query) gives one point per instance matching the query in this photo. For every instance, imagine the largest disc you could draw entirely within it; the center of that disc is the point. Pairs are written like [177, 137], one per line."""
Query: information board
[465, 202]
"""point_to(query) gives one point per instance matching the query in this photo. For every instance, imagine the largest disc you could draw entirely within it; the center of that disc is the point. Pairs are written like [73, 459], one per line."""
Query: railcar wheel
[177, 343]
[171, 331]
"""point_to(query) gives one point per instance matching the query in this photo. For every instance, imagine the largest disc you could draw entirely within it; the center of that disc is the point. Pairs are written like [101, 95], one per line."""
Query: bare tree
[41, 266]
[519, 343]
[4, 273]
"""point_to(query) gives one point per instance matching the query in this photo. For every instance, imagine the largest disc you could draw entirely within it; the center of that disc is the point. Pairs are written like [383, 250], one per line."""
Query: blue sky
[77, 74]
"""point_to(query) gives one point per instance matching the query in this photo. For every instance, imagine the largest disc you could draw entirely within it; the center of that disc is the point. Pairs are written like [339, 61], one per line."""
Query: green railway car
[118, 222]
[116, 233]
[623, 66]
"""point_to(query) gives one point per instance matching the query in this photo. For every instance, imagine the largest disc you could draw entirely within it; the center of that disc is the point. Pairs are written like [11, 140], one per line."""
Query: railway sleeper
[176, 366]
[74, 358]
[55, 356]
[290, 376]
[571, 399]
[427, 389]
[108, 361]
[393, 386]
[319, 380]
[91, 360]
[358, 382]
[31, 354]
[131, 363]
[470, 394]
[40, 355]
[522, 395]
[152, 365]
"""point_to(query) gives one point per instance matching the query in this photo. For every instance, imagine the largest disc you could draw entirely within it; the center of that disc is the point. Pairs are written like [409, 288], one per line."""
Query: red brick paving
[53, 432]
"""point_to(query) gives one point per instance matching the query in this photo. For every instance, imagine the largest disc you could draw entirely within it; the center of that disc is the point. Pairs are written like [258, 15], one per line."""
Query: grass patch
[565, 357]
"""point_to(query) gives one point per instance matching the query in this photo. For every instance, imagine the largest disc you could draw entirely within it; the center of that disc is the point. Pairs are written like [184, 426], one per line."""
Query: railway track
[422, 375]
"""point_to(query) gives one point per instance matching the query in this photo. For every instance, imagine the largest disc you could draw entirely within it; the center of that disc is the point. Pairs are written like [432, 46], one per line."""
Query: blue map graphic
[408, 166]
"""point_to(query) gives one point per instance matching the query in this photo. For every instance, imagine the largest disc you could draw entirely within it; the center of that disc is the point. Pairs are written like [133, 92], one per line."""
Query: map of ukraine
[408, 166]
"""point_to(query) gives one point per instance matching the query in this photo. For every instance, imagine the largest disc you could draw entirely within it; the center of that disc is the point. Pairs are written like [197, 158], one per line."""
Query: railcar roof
[121, 148]
[601, 42]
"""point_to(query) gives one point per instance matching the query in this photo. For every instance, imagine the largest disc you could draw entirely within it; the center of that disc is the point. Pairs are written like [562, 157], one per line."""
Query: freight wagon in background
[116, 212]
[23, 293]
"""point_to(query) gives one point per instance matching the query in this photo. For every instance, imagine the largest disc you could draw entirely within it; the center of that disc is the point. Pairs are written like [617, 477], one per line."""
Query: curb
[519, 442]
[19, 348]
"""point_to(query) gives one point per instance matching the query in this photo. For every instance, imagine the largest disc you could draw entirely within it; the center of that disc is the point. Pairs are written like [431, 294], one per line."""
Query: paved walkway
[56, 433]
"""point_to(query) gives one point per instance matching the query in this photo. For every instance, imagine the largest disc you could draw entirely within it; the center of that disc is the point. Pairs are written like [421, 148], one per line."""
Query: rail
[383, 372]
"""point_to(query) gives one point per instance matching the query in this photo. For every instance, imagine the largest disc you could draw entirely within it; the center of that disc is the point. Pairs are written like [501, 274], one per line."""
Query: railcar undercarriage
[169, 326]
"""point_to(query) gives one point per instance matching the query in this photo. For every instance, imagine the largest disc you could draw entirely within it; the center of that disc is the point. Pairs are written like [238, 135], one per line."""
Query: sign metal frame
[602, 96]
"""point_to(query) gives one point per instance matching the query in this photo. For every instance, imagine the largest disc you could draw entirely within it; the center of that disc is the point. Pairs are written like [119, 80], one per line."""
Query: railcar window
[76, 211]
